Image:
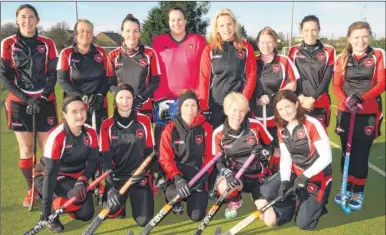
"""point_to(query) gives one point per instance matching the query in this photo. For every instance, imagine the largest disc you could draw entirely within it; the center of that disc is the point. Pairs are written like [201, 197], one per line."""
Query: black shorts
[100, 116]
[322, 114]
[367, 126]
[19, 120]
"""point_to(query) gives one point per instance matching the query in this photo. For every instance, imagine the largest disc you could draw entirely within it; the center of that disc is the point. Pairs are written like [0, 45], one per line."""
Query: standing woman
[275, 72]
[185, 149]
[227, 64]
[126, 140]
[315, 63]
[239, 137]
[69, 160]
[82, 70]
[305, 163]
[135, 64]
[359, 81]
[28, 71]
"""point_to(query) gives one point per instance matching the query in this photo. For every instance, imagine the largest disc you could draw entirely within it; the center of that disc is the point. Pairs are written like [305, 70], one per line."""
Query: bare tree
[7, 30]
[60, 34]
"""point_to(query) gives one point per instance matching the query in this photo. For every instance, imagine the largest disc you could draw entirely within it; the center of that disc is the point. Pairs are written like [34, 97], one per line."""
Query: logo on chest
[41, 48]
[189, 47]
[321, 118]
[199, 139]
[227, 146]
[368, 62]
[217, 57]
[86, 141]
[300, 134]
[321, 56]
[369, 130]
[251, 140]
[98, 58]
[68, 145]
[276, 68]
[311, 188]
[178, 141]
[114, 137]
[51, 120]
[143, 62]
[140, 133]
[240, 54]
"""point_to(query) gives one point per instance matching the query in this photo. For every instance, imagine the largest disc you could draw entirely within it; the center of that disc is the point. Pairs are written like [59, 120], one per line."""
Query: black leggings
[63, 185]
[196, 202]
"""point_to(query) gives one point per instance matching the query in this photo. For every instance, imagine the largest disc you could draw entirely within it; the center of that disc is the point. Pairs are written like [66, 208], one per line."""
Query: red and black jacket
[185, 150]
[271, 78]
[140, 70]
[238, 145]
[69, 155]
[125, 143]
[83, 74]
[28, 66]
[224, 71]
[316, 69]
[364, 77]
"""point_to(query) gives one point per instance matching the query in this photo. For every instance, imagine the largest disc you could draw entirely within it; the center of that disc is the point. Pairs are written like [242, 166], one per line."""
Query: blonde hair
[348, 49]
[267, 31]
[83, 20]
[235, 97]
[216, 40]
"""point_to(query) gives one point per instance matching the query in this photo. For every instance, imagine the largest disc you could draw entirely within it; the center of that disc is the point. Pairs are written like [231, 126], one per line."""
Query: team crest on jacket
[140, 133]
[86, 141]
[311, 187]
[369, 130]
[51, 120]
[199, 139]
[240, 54]
[143, 182]
[369, 62]
[321, 56]
[321, 118]
[68, 145]
[189, 46]
[300, 134]
[41, 48]
[276, 68]
[98, 58]
[143, 62]
[251, 140]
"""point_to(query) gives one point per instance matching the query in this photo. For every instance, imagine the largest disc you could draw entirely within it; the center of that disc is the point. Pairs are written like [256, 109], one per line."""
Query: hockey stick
[41, 224]
[343, 191]
[213, 210]
[166, 208]
[265, 116]
[102, 215]
[97, 173]
[34, 136]
[252, 217]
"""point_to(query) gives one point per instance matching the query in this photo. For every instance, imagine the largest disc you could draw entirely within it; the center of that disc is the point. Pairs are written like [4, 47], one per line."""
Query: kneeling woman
[126, 140]
[239, 137]
[70, 158]
[185, 149]
[305, 149]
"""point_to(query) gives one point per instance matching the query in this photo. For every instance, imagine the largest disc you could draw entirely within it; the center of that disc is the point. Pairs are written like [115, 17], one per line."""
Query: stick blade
[217, 231]
[94, 225]
[130, 232]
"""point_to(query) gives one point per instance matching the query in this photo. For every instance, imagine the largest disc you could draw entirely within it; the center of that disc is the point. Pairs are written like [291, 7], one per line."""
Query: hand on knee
[197, 215]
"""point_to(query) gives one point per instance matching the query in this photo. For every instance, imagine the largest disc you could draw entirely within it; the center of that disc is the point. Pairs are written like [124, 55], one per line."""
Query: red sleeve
[54, 144]
[167, 158]
[331, 56]
[208, 156]
[145, 121]
[155, 67]
[291, 54]
[63, 60]
[104, 136]
[379, 86]
[262, 133]
[338, 82]
[251, 70]
[52, 51]
[292, 73]
[205, 74]
[94, 137]
[6, 49]
[216, 140]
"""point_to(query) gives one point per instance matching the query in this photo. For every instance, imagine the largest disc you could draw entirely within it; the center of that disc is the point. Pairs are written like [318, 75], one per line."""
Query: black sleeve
[103, 86]
[7, 75]
[65, 83]
[92, 163]
[51, 172]
[107, 158]
[221, 164]
[51, 78]
[153, 85]
[323, 86]
[113, 83]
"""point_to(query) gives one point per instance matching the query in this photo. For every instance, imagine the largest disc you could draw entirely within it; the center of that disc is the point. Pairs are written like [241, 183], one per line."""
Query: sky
[335, 17]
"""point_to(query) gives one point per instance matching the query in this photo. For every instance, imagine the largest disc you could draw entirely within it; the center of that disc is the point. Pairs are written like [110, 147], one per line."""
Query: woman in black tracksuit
[126, 140]
[82, 69]
[186, 148]
[70, 158]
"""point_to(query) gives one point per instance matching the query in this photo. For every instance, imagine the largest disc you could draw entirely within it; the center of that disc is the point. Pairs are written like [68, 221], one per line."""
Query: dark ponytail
[131, 18]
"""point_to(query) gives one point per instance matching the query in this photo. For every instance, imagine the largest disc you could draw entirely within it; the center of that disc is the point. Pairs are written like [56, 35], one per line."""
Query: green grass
[371, 220]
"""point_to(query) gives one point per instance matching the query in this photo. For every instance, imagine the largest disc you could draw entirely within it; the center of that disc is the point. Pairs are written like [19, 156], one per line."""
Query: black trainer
[56, 226]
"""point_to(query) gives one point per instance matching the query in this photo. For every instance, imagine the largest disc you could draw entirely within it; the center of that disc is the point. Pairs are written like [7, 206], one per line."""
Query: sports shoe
[231, 210]
[338, 198]
[27, 199]
[56, 226]
[356, 201]
[178, 208]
